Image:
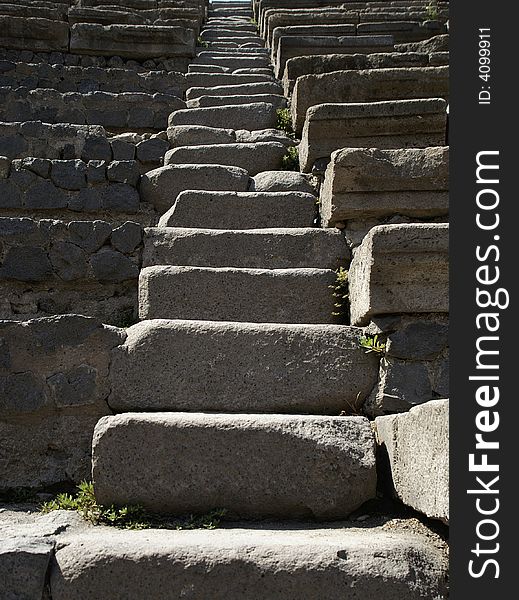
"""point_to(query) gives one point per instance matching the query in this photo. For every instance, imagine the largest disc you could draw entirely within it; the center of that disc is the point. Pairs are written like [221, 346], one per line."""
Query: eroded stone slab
[417, 446]
[168, 365]
[289, 467]
[400, 269]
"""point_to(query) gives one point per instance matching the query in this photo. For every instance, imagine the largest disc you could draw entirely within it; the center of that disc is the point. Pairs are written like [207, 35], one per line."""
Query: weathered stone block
[240, 210]
[291, 46]
[281, 181]
[372, 85]
[23, 567]
[198, 135]
[400, 269]
[213, 100]
[233, 563]
[161, 186]
[168, 365]
[384, 125]
[132, 41]
[253, 116]
[36, 34]
[333, 456]
[362, 183]
[231, 294]
[254, 158]
[417, 446]
[245, 89]
[249, 248]
[327, 63]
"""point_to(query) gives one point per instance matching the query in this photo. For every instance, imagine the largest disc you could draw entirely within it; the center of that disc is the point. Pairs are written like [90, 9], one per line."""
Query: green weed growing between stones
[126, 517]
[284, 122]
[341, 295]
[432, 10]
[202, 43]
[372, 343]
[290, 162]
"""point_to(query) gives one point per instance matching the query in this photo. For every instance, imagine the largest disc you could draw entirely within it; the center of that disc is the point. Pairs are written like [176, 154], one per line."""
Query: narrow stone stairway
[229, 390]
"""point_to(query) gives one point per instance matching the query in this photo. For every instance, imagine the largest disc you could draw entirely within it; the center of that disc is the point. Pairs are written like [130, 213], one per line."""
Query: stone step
[317, 65]
[210, 80]
[266, 71]
[240, 210]
[362, 183]
[211, 32]
[291, 46]
[372, 85]
[284, 562]
[253, 116]
[416, 444]
[233, 62]
[289, 466]
[238, 41]
[254, 158]
[385, 125]
[400, 269]
[246, 367]
[196, 68]
[249, 248]
[241, 295]
[215, 100]
[264, 87]
[160, 187]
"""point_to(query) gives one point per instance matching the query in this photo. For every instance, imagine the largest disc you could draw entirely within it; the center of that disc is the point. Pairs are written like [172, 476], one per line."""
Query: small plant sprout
[432, 10]
[284, 122]
[341, 294]
[290, 162]
[126, 517]
[371, 343]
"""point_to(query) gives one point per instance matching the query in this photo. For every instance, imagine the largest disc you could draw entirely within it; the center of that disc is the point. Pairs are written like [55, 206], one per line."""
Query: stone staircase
[239, 388]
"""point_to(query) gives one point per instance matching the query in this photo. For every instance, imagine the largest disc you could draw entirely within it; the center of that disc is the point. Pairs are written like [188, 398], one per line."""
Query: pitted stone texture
[400, 269]
[290, 46]
[230, 294]
[281, 181]
[362, 183]
[213, 100]
[417, 446]
[199, 135]
[249, 248]
[168, 365]
[253, 116]
[254, 158]
[132, 41]
[385, 125]
[240, 210]
[161, 186]
[290, 466]
[36, 34]
[214, 80]
[245, 89]
[23, 567]
[367, 86]
[285, 563]
[318, 64]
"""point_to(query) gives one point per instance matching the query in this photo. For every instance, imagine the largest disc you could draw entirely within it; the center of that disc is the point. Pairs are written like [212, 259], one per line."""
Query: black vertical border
[474, 128]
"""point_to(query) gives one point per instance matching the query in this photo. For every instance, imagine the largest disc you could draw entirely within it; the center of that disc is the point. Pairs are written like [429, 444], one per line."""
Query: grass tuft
[126, 517]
